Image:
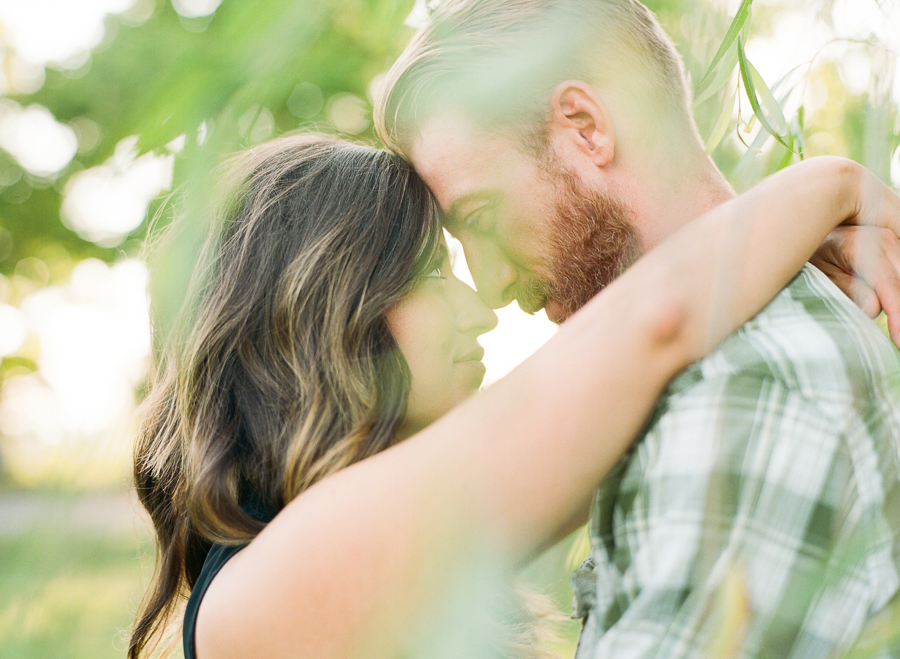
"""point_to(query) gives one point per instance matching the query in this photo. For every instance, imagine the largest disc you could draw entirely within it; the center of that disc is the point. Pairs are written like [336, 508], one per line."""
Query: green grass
[71, 577]
[69, 592]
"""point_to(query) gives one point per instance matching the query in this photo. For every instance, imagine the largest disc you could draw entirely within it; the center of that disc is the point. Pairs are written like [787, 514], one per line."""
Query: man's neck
[673, 200]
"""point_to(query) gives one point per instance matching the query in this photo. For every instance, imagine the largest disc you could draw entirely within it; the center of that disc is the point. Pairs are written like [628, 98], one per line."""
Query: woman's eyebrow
[443, 254]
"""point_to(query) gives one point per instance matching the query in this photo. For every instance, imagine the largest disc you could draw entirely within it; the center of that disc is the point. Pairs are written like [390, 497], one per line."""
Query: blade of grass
[711, 88]
[721, 127]
[768, 100]
[762, 136]
[797, 132]
[734, 29]
[750, 88]
[788, 156]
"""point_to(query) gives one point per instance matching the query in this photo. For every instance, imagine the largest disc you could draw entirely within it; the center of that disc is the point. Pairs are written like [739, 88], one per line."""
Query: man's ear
[580, 117]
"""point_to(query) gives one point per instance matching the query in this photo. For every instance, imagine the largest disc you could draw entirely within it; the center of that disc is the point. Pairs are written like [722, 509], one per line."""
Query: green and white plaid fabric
[759, 515]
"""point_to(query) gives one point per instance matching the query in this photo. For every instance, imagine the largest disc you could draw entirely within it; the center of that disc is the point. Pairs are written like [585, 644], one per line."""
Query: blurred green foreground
[72, 568]
[75, 552]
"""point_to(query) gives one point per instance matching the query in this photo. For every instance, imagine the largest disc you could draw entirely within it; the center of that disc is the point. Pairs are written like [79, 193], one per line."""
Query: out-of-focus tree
[175, 84]
[248, 70]
[165, 78]
[88, 144]
[244, 71]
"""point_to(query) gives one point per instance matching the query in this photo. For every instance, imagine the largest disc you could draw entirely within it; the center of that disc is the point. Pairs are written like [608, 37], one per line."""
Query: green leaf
[722, 123]
[712, 87]
[768, 100]
[797, 132]
[743, 13]
[761, 137]
[788, 156]
[747, 77]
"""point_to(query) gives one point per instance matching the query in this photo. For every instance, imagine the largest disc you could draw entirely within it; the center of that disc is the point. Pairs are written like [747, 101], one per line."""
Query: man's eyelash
[475, 219]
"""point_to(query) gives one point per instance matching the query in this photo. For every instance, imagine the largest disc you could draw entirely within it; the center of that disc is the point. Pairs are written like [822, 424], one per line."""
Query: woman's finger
[866, 298]
[889, 292]
[864, 262]
[877, 262]
[856, 288]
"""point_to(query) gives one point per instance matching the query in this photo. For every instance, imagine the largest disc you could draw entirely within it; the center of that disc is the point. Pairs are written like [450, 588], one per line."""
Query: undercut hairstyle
[284, 368]
[496, 63]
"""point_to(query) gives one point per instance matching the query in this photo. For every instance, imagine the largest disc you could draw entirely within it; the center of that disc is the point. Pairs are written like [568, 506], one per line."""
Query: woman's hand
[864, 260]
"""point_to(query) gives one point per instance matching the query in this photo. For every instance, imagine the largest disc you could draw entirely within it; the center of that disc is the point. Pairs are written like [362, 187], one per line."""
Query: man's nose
[494, 276]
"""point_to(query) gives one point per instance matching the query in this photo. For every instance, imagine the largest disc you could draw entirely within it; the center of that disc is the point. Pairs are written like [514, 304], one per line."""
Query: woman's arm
[357, 564]
[804, 199]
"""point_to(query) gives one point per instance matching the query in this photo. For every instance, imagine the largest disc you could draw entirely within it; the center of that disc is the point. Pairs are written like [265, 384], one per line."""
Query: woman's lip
[475, 356]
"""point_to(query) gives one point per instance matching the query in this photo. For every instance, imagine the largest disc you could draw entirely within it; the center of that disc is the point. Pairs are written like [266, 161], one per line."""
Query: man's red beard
[593, 241]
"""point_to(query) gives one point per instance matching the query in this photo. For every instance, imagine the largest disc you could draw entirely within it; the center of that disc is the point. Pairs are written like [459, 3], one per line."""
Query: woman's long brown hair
[285, 370]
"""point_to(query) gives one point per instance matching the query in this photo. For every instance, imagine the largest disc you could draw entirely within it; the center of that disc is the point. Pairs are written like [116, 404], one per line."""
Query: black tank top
[217, 557]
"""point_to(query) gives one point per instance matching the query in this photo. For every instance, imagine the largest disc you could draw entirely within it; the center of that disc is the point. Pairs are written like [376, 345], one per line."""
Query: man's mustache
[532, 294]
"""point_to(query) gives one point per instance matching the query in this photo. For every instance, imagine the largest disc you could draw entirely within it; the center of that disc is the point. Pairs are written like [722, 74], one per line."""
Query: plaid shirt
[759, 515]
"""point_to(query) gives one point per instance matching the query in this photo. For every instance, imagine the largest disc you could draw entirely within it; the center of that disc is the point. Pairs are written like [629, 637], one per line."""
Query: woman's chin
[475, 372]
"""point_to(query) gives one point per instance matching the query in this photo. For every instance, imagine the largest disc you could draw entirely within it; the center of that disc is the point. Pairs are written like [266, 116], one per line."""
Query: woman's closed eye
[440, 265]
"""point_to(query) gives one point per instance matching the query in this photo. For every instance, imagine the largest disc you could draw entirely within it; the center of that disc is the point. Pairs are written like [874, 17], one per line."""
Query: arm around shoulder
[355, 564]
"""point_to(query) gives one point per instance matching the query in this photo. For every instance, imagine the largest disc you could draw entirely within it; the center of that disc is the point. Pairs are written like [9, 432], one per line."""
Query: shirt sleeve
[740, 531]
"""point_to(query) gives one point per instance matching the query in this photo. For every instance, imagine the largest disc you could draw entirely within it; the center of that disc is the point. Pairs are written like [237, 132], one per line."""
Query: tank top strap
[216, 558]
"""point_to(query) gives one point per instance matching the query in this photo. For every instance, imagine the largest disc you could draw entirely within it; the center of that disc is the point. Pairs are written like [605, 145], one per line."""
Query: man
[759, 514]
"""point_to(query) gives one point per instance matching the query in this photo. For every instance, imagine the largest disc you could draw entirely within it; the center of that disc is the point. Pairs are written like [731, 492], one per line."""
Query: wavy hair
[285, 369]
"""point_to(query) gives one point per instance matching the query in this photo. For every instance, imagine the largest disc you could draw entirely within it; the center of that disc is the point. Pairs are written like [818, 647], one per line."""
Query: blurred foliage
[165, 77]
[70, 588]
[255, 69]
[252, 70]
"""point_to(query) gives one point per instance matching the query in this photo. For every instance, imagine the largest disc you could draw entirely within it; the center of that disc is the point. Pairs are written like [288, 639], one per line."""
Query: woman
[325, 327]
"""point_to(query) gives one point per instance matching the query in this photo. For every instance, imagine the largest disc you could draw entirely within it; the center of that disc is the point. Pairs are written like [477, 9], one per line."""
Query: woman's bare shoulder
[301, 588]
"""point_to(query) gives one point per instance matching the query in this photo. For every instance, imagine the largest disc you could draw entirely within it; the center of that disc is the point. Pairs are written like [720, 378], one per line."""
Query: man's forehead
[442, 149]
[456, 160]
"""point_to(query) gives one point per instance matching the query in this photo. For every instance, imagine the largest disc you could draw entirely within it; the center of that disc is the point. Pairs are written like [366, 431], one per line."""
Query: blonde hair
[497, 62]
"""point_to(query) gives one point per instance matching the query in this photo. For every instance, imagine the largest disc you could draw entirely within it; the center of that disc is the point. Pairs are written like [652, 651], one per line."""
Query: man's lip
[555, 311]
[475, 355]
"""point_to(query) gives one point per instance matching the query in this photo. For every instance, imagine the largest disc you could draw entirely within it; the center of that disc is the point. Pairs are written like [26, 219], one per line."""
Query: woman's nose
[472, 314]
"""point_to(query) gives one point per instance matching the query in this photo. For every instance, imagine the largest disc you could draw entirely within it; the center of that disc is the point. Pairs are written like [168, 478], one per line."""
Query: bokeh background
[113, 114]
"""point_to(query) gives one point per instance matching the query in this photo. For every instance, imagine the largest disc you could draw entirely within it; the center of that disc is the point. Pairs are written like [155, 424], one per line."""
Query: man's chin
[555, 311]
